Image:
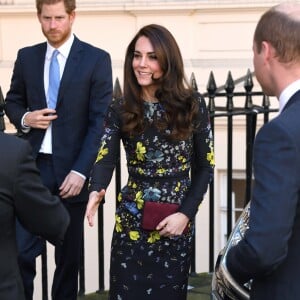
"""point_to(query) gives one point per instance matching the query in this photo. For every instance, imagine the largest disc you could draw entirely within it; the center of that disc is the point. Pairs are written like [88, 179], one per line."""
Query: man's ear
[268, 51]
[72, 16]
[39, 17]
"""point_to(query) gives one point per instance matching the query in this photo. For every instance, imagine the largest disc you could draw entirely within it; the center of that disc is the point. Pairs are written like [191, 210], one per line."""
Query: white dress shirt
[64, 51]
[287, 93]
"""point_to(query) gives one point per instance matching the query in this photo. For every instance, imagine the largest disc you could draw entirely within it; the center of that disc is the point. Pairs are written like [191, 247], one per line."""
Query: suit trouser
[67, 255]
[29, 247]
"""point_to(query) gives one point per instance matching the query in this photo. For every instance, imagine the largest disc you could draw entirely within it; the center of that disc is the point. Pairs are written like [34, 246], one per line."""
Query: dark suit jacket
[84, 95]
[23, 195]
[270, 252]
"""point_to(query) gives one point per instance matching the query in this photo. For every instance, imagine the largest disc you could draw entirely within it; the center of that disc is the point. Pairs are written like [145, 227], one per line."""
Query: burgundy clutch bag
[154, 212]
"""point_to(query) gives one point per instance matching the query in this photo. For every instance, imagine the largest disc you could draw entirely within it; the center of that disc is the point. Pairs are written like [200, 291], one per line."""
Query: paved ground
[199, 289]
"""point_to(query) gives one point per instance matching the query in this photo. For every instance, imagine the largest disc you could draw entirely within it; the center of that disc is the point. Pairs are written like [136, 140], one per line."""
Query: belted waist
[178, 175]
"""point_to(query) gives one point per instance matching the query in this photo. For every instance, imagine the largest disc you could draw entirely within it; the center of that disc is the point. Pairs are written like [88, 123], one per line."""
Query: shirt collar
[64, 49]
[287, 93]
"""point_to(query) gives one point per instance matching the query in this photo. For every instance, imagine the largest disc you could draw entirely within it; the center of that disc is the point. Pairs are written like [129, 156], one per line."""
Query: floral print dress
[145, 265]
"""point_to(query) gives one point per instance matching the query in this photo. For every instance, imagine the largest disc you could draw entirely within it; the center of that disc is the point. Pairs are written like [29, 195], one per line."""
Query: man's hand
[71, 186]
[95, 199]
[40, 118]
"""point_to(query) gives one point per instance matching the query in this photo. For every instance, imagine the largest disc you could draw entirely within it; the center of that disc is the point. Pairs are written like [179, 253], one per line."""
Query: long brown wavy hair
[173, 91]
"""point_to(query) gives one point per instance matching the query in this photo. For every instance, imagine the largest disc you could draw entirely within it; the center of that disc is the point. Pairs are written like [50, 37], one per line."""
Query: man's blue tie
[54, 79]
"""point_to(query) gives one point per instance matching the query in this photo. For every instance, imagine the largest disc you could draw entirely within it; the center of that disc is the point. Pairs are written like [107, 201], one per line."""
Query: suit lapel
[40, 62]
[72, 64]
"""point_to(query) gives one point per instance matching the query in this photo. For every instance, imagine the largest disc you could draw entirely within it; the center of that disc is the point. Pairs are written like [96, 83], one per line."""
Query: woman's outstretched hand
[95, 199]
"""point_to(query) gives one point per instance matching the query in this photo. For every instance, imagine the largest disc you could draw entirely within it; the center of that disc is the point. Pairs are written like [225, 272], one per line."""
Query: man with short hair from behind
[59, 94]
[269, 252]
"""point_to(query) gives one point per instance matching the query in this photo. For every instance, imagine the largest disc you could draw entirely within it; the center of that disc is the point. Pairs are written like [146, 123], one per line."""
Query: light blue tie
[54, 79]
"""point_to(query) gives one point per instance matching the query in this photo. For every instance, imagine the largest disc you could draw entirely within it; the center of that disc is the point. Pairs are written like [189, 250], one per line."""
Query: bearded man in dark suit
[65, 135]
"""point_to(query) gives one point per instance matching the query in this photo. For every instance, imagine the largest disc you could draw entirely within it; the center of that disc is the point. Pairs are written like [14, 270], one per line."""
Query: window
[238, 202]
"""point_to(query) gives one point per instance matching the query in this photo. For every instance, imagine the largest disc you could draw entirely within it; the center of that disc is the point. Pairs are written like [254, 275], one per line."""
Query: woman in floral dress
[164, 127]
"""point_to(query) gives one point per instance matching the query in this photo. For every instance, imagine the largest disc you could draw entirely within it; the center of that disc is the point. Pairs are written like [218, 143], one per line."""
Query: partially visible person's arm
[16, 105]
[100, 96]
[40, 212]
[202, 165]
[273, 205]
[102, 171]
[108, 153]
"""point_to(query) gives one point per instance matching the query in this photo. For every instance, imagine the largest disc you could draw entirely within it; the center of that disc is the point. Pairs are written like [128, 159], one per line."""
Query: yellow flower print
[119, 197]
[161, 171]
[184, 167]
[139, 199]
[177, 188]
[134, 235]
[102, 152]
[140, 151]
[119, 227]
[182, 159]
[138, 195]
[132, 184]
[139, 203]
[210, 156]
[154, 236]
[141, 171]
